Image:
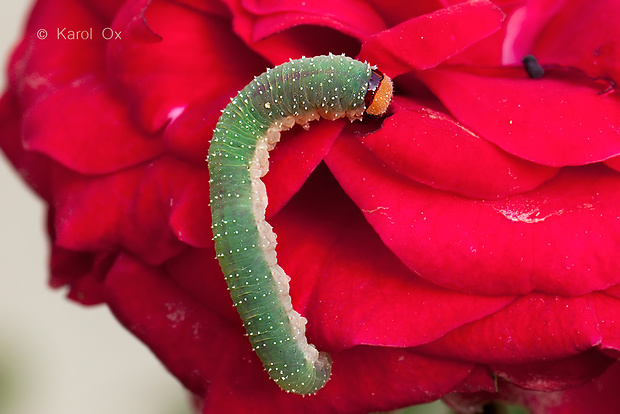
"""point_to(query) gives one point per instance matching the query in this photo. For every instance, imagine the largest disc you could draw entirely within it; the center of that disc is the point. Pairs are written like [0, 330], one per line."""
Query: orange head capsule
[379, 93]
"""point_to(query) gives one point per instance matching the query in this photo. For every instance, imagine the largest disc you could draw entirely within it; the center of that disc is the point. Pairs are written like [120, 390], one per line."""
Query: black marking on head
[373, 83]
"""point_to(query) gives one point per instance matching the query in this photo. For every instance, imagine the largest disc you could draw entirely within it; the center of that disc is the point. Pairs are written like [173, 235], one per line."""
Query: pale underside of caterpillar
[297, 91]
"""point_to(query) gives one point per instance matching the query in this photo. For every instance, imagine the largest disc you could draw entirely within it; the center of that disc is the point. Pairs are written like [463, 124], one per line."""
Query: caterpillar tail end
[316, 376]
[323, 367]
[321, 374]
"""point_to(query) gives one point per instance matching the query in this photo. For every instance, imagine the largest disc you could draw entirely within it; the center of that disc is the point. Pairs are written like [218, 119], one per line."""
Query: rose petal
[429, 146]
[599, 395]
[198, 273]
[293, 44]
[556, 375]
[294, 158]
[140, 228]
[112, 143]
[131, 22]
[558, 120]
[426, 41]
[479, 379]
[394, 12]
[368, 379]
[162, 316]
[82, 272]
[256, 20]
[522, 27]
[614, 163]
[357, 19]
[423, 253]
[187, 136]
[606, 308]
[351, 287]
[280, 31]
[105, 8]
[533, 328]
[558, 238]
[80, 199]
[597, 53]
[175, 193]
[213, 358]
[216, 8]
[490, 50]
[34, 168]
[188, 195]
[38, 66]
[544, 28]
[161, 79]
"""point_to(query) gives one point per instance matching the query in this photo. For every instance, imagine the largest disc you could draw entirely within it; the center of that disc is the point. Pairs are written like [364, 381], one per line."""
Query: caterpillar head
[379, 93]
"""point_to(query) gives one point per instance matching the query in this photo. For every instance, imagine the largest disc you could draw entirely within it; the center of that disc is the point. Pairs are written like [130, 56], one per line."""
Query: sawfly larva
[297, 91]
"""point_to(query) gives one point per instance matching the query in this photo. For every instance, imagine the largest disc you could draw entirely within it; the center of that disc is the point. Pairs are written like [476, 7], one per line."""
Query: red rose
[463, 247]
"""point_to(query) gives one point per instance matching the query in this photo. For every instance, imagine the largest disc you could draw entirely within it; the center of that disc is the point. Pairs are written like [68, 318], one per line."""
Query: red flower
[464, 246]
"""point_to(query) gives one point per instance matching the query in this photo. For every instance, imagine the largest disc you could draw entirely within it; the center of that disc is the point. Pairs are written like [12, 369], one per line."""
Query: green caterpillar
[298, 91]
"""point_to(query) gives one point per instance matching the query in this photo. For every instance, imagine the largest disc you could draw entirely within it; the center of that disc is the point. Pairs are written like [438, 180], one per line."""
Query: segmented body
[295, 92]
